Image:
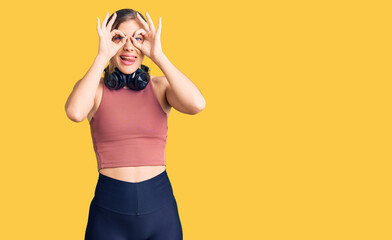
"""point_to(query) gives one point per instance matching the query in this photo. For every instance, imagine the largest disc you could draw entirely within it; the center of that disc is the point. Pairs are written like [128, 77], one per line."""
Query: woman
[127, 110]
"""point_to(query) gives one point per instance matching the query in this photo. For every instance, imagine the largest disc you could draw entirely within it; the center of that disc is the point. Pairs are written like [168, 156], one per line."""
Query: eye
[119, 37]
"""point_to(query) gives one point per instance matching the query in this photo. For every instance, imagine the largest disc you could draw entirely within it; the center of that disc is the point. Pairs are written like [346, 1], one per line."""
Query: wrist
[103, 58]
[101, 61]
[158, 58]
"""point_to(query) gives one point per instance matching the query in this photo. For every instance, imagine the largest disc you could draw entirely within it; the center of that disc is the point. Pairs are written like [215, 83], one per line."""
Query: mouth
[128, 60]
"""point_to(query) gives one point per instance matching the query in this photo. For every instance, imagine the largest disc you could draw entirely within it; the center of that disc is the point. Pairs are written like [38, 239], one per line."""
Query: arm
[181, 92]
[81, 100]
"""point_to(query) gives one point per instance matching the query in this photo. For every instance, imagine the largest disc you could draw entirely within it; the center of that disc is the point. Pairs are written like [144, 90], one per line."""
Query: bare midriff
[133, 174]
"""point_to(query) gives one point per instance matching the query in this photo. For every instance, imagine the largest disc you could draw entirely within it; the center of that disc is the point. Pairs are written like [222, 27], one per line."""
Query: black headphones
[137, 80]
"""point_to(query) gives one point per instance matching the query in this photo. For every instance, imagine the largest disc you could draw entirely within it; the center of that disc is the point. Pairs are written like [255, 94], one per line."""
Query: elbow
[73, 116]
[199, 107]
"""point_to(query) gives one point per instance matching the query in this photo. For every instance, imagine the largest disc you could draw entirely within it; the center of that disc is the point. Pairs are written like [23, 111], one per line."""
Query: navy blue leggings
[145, 210]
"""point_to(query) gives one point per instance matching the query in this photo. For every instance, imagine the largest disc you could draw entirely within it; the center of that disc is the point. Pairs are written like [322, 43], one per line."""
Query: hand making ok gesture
[107, 47]
[151, 44]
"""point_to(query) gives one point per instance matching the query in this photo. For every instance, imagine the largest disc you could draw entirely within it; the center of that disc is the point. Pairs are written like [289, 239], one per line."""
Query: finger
[150, 22]
[159, 27]
[140, 31]
[135, 43]
[98, 28]
[105, 21]
[122, 42]
[141, 20]
[113, 33]
[109, 27]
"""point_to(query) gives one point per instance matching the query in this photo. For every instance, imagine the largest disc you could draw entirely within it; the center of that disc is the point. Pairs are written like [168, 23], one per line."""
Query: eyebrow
[136, 35]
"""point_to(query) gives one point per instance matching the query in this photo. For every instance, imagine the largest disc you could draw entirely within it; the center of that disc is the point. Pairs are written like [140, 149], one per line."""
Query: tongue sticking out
[127, 60]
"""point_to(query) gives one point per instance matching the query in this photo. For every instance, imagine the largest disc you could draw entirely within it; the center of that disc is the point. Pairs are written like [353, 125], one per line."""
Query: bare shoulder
[97, 100]
[160, 80]
[159, 84]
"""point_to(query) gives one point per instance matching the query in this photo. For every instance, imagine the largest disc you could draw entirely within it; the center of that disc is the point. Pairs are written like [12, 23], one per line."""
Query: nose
[128, 44]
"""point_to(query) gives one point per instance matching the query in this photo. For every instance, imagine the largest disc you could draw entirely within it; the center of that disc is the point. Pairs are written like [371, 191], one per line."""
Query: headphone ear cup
[138, 80]
[117, 80]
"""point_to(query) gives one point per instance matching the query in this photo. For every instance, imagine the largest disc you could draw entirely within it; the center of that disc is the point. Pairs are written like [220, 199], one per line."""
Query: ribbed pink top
[129, 129]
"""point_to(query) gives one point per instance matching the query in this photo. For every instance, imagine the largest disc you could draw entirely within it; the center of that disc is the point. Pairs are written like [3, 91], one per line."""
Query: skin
[136, 37]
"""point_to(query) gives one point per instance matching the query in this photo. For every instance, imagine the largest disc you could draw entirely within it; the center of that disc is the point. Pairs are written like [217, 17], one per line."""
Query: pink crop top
[129, 129]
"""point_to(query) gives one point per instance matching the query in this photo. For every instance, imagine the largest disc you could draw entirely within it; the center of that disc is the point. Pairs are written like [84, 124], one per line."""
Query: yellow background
[294, 142]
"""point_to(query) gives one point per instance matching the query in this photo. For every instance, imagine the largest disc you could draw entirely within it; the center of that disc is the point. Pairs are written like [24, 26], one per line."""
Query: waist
[133, 198]
[132, 174]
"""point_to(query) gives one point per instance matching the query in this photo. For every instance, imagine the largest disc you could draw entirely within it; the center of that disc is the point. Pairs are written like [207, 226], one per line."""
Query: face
[129, 28]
